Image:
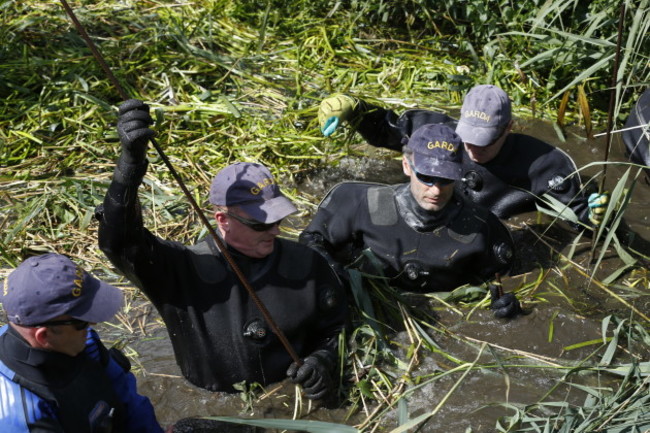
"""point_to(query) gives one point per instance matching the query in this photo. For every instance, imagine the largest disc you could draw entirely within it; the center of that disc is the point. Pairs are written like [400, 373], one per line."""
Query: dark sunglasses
[254, 225]
[430, 180]
[433, 180]
[75, 323]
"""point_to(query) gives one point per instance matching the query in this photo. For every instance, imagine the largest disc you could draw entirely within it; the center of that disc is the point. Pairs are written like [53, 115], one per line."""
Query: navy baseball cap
[485, 113]
[251, 187]
[436, 151]
[50, 285]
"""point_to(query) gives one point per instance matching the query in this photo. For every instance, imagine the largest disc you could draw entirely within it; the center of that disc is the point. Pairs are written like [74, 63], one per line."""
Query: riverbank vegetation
[232, 81]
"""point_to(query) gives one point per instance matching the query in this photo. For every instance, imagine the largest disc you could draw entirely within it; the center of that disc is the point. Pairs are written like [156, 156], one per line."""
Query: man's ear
[406, 167]
[221, 218]
[41, 336]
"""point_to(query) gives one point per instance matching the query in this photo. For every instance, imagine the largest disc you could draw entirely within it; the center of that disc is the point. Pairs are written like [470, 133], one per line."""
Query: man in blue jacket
[56, 376]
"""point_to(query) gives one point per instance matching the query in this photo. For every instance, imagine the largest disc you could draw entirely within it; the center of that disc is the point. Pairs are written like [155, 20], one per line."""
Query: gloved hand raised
[597, 203]
[333, 111]
[133, 128]
[314, 375]
[503, 305]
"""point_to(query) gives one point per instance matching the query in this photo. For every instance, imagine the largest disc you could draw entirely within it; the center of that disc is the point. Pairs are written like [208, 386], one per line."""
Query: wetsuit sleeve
[136, 252]
[140, 416]
[555, 174]
[333, 314]
[317, 242]
[381, 127]
[500, 252]
[154, 265]
[121, 235]
[332, 231]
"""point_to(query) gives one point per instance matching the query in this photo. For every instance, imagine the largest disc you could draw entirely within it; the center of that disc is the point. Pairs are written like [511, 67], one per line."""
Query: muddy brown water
[573, 308]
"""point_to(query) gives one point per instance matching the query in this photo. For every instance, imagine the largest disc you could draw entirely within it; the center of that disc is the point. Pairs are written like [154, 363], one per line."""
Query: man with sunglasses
[55, 373]
[219, 335]
[503, 171]
[424, 236]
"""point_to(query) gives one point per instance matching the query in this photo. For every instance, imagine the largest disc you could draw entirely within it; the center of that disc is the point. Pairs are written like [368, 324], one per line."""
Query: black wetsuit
[421, 251]
[510, 184]
[637, 140]
[218, 334]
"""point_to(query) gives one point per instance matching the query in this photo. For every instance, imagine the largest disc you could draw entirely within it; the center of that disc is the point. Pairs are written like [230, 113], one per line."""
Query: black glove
[314, 375]
[504, 305]
[133, 129]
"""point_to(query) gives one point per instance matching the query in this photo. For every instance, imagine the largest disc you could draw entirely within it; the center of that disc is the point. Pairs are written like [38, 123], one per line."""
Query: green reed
[231, 81]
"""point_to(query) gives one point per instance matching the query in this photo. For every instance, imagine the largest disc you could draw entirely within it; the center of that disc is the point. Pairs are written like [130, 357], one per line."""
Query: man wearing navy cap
[55, 373]
[425, 237]
[503, 171]
[219, 335]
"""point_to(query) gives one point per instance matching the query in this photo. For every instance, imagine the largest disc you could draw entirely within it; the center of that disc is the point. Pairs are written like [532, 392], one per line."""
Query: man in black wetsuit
[503, 171]
[218, 334]
[425, 236]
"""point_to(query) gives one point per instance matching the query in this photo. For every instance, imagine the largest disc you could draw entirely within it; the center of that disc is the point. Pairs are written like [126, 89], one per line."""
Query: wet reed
[231, 81]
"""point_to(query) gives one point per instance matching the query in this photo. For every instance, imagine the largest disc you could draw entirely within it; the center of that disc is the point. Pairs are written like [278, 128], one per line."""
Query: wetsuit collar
[250, 266]
[420, 219]
[38, 365]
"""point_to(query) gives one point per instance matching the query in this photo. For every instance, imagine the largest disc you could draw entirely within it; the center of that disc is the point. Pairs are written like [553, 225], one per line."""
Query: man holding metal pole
[219, 335]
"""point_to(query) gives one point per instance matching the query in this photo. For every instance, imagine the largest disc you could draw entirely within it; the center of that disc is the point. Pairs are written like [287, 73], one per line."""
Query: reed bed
[231, 81]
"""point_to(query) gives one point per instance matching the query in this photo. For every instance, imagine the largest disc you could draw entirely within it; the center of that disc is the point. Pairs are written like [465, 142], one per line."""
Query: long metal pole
[612, 95]
[222, 248]
[610, 115]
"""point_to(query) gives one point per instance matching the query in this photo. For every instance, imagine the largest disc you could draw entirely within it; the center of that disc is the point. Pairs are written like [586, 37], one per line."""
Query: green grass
[232, 81]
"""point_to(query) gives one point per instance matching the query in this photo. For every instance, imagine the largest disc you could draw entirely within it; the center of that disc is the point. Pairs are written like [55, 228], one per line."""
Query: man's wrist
[129, 171]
